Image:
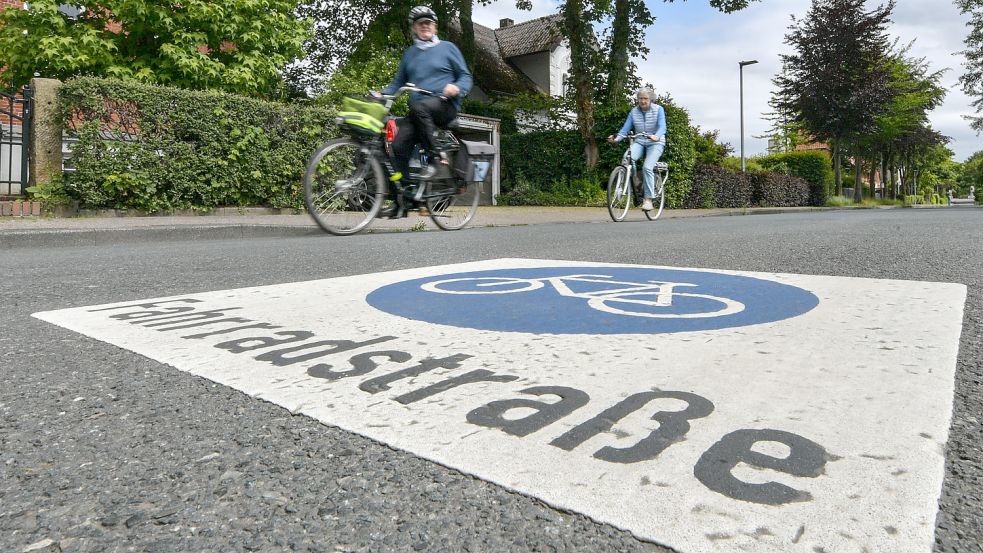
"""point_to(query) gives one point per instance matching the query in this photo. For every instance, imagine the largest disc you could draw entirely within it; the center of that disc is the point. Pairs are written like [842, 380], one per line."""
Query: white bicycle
[635, 299]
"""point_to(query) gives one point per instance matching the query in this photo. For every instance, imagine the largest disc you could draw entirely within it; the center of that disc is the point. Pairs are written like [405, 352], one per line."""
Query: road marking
[704, 410]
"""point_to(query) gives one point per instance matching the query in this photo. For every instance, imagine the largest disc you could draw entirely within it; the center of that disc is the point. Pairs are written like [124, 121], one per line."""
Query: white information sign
[703, 410]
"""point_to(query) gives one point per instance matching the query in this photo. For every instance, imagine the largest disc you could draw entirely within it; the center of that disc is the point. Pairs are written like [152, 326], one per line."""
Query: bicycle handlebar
[409, 87]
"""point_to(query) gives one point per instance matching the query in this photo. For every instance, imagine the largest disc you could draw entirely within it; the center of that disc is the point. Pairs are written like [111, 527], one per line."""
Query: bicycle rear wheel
[453, 204]
[659, 199]
[619, 193]
[343, 187]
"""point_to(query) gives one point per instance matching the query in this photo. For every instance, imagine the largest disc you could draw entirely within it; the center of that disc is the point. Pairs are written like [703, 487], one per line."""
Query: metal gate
[15, 140]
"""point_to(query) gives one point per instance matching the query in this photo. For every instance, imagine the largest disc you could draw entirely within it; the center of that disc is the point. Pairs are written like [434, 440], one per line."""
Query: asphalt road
[104, 450]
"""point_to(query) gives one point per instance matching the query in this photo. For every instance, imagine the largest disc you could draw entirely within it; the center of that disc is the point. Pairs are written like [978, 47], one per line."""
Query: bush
[778, 190]
[814, 166]
[541, 159]
[584, 192]
[715, 186]
[157, 148]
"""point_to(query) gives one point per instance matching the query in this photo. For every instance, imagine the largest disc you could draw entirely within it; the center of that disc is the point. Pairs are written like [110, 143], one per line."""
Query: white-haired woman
[648, 120]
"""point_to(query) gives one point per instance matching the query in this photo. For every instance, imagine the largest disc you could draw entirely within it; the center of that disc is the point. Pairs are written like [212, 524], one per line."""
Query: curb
[98, 237]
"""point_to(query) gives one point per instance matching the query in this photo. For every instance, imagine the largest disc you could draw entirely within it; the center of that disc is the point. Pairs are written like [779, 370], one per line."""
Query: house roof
[491, 72]
[537, 35]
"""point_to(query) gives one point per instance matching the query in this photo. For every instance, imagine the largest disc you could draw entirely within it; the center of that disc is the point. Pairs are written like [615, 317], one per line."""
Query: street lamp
[742, 64]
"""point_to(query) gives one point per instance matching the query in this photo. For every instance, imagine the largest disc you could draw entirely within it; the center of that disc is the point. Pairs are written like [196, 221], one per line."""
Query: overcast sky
[695, 50]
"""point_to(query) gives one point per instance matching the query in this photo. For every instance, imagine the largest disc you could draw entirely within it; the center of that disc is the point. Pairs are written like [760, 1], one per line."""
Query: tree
[917, 91]
[233, 45]
[972, 80]
[971, 174]
[836, 77]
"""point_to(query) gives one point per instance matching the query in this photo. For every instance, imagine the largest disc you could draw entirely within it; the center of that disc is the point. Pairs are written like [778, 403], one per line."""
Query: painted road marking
[704, 410]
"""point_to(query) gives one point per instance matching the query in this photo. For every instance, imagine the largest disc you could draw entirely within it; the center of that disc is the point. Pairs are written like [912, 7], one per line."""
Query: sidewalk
[109, 228]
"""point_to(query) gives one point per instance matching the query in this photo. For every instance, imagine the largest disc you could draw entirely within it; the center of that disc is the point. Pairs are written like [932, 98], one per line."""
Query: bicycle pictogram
[651, 299]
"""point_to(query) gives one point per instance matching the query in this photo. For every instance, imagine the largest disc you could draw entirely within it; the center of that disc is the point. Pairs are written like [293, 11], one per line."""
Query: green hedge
[815, 167]
[714, 186]
[156, 148]
[778, 190]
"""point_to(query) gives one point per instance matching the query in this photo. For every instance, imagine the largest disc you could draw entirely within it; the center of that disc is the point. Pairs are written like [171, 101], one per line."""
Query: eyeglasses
[426, 23]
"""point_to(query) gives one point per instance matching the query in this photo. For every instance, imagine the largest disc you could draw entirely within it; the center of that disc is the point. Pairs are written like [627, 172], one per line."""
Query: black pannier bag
[474, 161]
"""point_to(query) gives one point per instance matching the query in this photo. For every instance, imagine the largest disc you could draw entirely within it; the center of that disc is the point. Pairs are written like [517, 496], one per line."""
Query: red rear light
[390, 131]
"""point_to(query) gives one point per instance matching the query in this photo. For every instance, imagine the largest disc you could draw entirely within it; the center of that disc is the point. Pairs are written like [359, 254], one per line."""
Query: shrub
[583, 192]
[541, 158]
[715, 186]
[157, 148]
[778, 190]
[814, 166]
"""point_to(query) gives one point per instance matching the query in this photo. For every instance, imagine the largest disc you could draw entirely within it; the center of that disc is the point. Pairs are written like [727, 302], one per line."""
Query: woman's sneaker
[647, 205]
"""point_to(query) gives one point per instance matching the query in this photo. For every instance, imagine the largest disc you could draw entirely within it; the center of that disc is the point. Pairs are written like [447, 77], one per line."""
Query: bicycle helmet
[421, 12]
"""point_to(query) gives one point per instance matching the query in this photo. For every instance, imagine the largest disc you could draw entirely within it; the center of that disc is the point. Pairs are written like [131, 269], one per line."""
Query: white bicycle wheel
[620, 304]
[482, 285]
[659, 199]
[619, 193]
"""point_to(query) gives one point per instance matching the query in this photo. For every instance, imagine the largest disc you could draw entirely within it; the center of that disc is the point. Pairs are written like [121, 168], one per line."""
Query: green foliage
[733, 163]
[815, 167]
[373, 70]
[157, 148]
[233, 45]
[541, 158]
[584, 191]
[771, 189]
[971, 174]
[51, 193]
[708, 149]
[972, 79]
[713, 186]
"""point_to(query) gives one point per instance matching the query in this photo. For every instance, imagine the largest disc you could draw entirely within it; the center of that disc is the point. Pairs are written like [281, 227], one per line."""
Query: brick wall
[4, 4]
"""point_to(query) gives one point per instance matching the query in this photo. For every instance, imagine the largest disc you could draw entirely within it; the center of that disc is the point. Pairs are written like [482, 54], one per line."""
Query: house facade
[516, 58]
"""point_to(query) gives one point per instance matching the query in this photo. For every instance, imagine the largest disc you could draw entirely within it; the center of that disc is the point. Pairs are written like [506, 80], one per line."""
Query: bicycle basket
[473, 162]
[361, 116]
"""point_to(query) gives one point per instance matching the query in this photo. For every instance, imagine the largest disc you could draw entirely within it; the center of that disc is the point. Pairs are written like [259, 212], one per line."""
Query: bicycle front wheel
[452, 205]
[659, 201]
[619, 193]
[343, 187]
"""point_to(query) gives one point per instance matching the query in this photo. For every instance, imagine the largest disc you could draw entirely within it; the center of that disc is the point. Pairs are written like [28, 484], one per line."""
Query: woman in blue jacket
[649, 120]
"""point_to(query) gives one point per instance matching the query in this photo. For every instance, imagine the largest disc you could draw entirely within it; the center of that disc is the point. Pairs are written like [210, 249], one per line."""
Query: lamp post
[742, 64]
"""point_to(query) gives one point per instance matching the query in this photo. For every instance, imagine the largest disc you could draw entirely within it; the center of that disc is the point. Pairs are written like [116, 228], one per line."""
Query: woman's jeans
[652, 154]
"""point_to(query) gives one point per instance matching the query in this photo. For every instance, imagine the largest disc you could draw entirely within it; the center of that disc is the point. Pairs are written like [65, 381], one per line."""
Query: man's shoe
[647, 205]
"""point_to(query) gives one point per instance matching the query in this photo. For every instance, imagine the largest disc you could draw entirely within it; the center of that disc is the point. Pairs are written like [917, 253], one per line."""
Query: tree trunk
[618, 59]
[885, 182]
[873, 176]
[467, 46]
[858, 185]
[578, 31]
[838, 168]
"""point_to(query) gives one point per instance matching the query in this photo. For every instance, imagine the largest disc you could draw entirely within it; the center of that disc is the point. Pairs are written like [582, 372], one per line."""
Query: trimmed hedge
[815, 167]
[778, 190]
[157, 148]
[715, 186]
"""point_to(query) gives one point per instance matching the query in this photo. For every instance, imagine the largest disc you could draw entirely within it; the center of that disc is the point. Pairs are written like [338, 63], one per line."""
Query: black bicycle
[347, 181]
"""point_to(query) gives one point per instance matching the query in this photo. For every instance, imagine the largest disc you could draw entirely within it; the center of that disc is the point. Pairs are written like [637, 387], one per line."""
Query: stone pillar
[46, 131]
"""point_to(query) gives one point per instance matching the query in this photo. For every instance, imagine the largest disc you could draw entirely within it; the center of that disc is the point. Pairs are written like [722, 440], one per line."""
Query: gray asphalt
[105, 450]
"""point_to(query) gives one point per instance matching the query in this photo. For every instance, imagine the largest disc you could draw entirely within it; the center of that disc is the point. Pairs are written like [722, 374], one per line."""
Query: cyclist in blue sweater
[435, 65]
[647, 119]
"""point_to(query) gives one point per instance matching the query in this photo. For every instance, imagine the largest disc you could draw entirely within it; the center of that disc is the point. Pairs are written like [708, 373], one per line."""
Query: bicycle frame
[601, 300]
